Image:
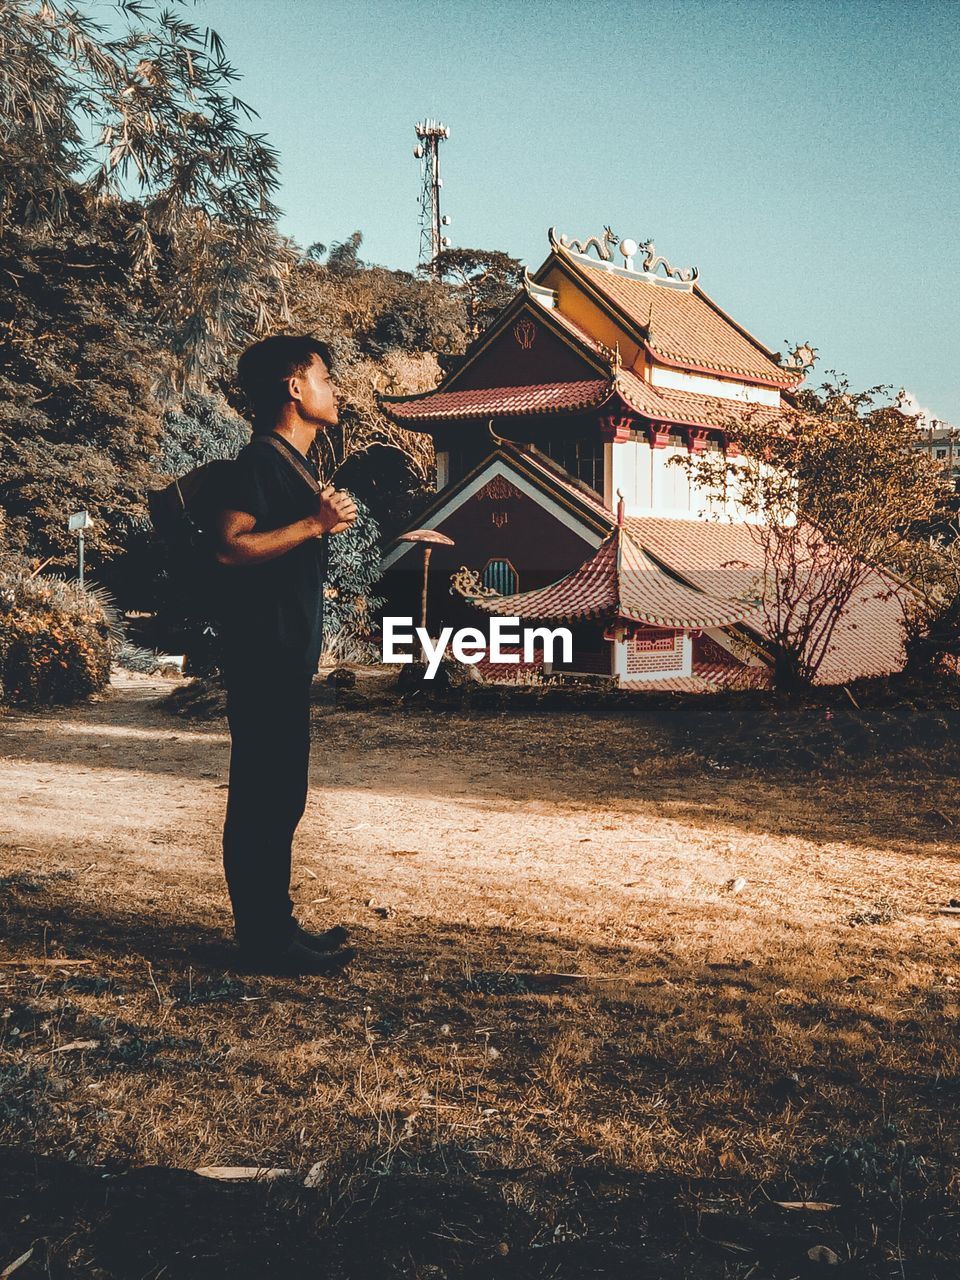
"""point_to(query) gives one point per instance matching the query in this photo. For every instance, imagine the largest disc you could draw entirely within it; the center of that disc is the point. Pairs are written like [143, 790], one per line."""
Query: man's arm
[240, 545]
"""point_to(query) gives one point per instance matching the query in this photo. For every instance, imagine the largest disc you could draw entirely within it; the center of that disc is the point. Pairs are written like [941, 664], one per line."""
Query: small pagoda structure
[560, 438]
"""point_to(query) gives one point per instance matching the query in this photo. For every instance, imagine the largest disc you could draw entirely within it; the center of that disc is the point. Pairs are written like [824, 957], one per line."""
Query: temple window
[501, 576]
[582, 458]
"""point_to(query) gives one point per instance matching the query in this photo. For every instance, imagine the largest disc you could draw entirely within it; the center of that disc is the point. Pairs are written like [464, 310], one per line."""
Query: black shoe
[297, 960]
[328, 941]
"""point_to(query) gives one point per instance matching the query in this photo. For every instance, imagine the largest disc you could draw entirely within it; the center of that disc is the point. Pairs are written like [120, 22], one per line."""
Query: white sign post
[76, 523]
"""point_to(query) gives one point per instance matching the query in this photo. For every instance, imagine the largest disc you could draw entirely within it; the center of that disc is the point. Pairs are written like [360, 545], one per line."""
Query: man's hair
[263, 369]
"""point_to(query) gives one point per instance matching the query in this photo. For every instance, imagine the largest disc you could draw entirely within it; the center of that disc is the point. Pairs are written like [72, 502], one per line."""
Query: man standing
[272, 544]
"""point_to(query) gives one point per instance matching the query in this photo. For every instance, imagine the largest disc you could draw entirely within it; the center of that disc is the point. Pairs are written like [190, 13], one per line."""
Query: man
[272, 544]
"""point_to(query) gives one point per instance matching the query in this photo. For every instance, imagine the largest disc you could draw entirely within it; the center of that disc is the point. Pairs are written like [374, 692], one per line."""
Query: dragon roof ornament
[603, 244]
[467, 583]
[651, 264]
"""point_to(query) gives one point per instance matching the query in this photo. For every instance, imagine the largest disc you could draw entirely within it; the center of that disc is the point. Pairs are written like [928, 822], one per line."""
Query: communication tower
[430, 133]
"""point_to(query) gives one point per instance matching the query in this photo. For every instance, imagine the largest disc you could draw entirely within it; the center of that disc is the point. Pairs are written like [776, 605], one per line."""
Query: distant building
[936, 438]
[555, 437]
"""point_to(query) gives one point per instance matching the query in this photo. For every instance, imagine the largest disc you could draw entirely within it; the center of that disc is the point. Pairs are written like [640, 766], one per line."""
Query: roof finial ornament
[621, 508]
[468, 583]
[497, 440]
[801, 358]
[603, 245]
[651, 261]
[629, 249]
[612, 357]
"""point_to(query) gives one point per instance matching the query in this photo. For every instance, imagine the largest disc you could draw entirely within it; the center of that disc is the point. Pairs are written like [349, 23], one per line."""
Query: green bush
[56, 640]
[349, 604]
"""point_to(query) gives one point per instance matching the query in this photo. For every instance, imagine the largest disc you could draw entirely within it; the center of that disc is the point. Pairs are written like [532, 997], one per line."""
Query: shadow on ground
[415, 1222]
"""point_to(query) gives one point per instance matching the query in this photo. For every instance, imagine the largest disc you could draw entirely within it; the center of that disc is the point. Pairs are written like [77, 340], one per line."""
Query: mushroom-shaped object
[430, 539]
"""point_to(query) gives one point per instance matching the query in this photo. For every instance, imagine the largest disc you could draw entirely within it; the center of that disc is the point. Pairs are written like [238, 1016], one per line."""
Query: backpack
[184, 518]
[183, 515]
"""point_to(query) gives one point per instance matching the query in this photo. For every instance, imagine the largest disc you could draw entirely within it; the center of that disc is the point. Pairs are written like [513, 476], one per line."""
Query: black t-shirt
[273, 612]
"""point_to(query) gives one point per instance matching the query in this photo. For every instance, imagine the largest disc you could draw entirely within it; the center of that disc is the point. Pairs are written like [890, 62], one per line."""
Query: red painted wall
[514, 528]
[506, 363]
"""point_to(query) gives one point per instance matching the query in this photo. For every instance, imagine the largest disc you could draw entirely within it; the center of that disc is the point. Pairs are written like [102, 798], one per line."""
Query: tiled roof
[723, 675]
[719, 557]
[686, 327]
[692, 575]
[537, 398]
[690, 408]
[658, 404]
[620, 581]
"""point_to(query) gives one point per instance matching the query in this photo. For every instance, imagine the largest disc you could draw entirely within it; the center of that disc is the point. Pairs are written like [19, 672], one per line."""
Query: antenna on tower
[430, 133]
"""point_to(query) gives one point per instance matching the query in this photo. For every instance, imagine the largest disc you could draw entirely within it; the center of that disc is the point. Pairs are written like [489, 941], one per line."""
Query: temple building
[561, 438]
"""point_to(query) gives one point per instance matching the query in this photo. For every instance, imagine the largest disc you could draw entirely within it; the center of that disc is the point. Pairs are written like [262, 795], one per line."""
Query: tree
[344, 256]
[383, 328]
[932, 611]
[201, 429]
[486, 279]
[79, 424]
[837, 488]
[349, 605]
[159, 103]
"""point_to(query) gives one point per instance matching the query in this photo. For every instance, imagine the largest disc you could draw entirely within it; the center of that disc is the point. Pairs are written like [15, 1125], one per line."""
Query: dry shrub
[56, 640]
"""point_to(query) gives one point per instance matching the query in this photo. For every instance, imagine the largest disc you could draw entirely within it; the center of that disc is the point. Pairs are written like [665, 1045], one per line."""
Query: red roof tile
[719, 557]
[690, 408]
[657, 404]
[685, 326]
[537, 398]
[694, 575]
[620, 581]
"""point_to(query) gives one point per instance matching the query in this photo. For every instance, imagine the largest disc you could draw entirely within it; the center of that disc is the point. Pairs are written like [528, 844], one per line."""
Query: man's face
[315, 394]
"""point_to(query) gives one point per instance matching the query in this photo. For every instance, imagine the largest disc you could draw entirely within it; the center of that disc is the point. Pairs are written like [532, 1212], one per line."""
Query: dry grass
[472, 1111]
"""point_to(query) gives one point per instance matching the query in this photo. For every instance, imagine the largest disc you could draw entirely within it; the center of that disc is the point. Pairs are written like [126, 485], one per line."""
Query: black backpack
[184, 518]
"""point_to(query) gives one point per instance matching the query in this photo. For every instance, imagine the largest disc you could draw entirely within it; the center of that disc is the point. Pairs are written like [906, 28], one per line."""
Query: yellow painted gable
[584, 312]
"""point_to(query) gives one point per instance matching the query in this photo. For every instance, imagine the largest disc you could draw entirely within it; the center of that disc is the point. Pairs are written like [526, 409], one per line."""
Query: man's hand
[240, 544]
[337, 510]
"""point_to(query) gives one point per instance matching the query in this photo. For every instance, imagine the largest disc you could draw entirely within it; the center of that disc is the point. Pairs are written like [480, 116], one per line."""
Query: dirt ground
[584, 954]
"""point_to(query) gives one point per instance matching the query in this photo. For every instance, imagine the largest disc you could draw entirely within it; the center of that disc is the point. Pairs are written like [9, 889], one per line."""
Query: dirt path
[774, 986]
[566, 827]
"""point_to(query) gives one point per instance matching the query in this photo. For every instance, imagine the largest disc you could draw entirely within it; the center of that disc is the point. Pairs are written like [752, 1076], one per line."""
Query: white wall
[653, 485]
[704, 385]
[629, 468]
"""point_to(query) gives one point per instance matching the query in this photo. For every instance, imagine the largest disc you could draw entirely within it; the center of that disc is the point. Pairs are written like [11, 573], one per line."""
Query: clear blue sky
[803, 155]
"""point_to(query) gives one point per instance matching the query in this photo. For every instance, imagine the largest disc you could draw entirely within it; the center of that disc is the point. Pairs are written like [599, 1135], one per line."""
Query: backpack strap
[299, 467]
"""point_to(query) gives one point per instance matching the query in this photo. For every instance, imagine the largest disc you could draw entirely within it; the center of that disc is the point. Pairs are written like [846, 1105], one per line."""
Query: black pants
[269, 715]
